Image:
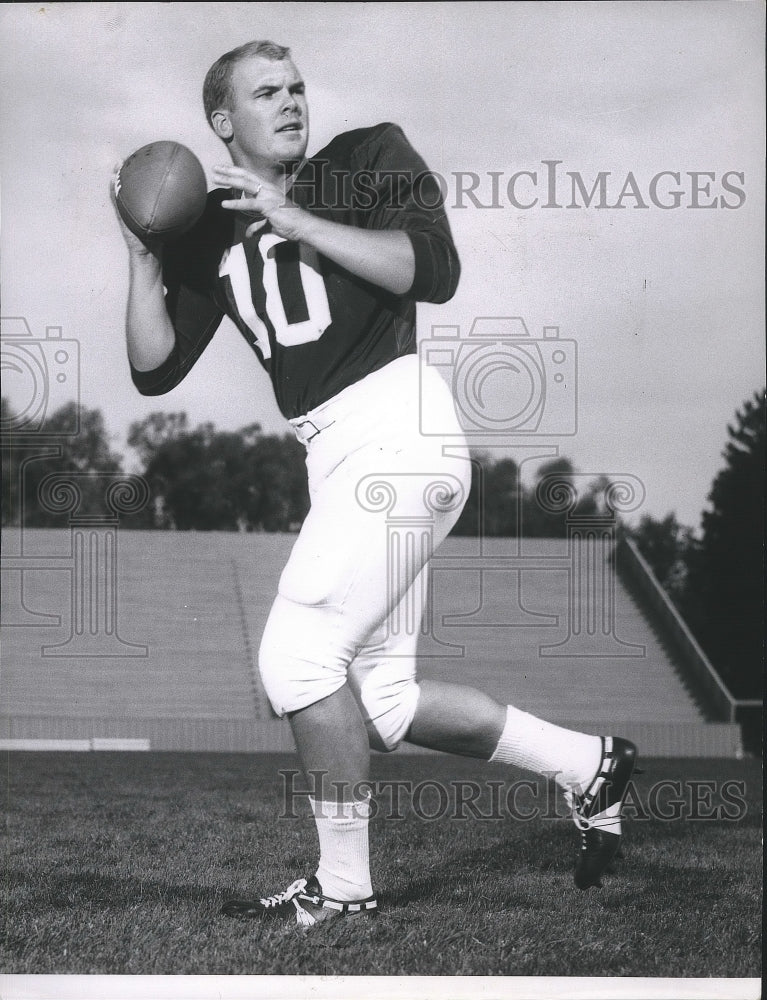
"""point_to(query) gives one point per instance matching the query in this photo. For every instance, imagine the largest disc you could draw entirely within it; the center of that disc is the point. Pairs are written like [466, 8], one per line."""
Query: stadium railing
[702, 673]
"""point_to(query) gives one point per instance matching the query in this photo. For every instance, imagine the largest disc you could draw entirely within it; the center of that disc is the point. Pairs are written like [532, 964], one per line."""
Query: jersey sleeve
[189, 270]
[406, 195]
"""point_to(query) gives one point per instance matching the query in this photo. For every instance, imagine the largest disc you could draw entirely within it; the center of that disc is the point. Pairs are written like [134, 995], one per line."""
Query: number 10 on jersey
[296, 298]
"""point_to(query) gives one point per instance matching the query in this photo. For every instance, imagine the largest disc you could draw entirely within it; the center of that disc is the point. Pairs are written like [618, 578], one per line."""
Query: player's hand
[265, 199]
[135, 246]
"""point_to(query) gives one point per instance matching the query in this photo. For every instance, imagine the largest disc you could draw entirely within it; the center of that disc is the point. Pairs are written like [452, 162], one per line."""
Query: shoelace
[283, 897]
[583, 822]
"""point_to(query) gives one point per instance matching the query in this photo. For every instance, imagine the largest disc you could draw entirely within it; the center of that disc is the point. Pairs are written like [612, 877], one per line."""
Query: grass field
[117, 864]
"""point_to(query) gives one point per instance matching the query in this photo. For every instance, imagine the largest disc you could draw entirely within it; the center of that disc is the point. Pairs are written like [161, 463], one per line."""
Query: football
[160, 191]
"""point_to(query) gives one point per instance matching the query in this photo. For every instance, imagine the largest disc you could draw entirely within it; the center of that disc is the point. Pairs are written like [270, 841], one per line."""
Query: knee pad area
[388, 701]
[303, 656]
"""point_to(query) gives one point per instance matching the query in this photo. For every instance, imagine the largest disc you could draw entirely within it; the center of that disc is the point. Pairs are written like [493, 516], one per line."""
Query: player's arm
[386, 259]
[149, 332]
[402, 244]
[167, 324]
[148, 328]
[383, 258]
[409, 200]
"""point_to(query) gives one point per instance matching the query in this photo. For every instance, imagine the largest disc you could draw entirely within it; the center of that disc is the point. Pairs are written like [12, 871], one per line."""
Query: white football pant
[351, 597]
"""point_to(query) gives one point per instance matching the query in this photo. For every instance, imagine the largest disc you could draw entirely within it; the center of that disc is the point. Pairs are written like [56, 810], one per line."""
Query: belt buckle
[304, 423]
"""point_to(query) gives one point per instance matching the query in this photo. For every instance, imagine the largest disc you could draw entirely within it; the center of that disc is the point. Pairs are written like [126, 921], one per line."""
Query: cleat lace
[584, 823]
[285, 896]
[581, 821]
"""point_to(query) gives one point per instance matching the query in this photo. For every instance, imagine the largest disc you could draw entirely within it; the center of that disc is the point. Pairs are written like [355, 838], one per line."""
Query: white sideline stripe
[96, 987]
[21, 744]
[118, 743]
[98, 743]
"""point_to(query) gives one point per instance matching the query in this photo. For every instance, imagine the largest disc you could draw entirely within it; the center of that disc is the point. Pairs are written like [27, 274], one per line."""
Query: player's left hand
[262, 197]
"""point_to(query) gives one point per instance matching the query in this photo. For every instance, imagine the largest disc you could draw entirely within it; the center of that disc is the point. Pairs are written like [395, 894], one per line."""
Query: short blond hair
[217, 90]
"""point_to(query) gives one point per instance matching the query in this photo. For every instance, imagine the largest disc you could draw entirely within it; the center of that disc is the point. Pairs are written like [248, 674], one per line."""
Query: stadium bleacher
[168, 662]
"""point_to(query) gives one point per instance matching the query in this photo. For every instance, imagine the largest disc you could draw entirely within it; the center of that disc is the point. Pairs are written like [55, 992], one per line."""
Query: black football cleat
[302, 903]
[597, 811]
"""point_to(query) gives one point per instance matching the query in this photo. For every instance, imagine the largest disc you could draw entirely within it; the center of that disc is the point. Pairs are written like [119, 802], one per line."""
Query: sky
[664, 305]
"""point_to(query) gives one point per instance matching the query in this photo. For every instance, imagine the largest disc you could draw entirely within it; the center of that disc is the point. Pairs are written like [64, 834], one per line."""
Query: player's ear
[222, 124]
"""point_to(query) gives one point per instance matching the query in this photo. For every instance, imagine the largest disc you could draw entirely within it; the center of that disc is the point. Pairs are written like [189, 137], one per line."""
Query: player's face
[270, 118]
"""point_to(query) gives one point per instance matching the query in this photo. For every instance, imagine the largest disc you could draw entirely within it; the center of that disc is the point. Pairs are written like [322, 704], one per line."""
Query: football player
[320, 262]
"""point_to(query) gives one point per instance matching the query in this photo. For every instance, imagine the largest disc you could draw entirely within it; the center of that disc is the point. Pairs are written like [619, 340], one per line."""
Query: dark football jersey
[314, 326]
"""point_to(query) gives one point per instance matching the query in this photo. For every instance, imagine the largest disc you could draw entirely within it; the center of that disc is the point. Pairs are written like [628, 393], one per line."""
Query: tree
[213, 480]
[502, 494]
[491, 508]
[538, 521]
[148, 435]
[667, 546]
[10, 465]
[469, 522]
[195, 479]
[25, 466]
[278, 498]
[726, 584]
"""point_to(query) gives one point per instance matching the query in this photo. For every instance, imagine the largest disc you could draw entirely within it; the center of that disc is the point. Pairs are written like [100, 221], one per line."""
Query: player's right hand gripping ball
[160, 191]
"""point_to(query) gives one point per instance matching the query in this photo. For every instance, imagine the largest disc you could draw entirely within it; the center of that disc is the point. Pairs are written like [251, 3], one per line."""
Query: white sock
[543, 747]
[344, 868]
